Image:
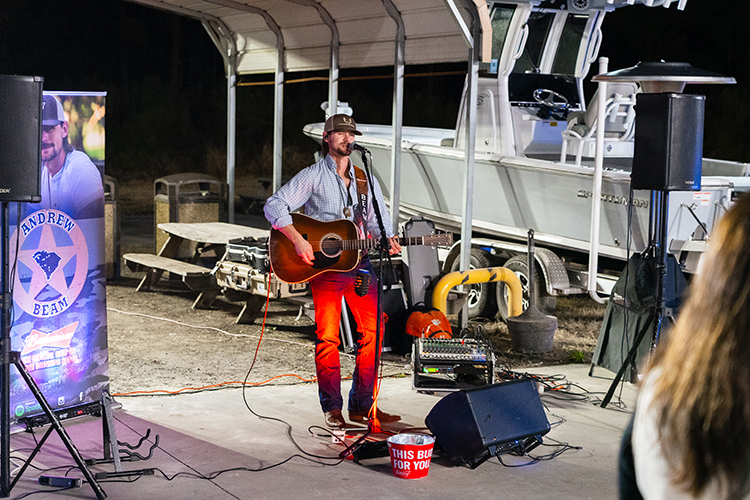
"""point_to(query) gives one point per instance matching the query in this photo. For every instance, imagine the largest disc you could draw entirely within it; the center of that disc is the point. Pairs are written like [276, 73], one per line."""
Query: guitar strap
[362, 195]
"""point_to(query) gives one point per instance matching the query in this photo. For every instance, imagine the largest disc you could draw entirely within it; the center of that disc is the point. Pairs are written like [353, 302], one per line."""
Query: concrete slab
[201, 434]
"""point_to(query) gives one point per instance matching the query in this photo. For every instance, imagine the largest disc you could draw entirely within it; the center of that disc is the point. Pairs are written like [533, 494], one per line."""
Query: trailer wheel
[481, 299]
[544, 301]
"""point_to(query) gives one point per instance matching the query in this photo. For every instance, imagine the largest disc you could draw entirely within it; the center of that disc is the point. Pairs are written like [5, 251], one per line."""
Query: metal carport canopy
[274, 36]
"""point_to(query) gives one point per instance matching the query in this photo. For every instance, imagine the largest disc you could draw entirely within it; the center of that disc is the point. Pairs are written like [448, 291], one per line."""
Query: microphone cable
[264, 417]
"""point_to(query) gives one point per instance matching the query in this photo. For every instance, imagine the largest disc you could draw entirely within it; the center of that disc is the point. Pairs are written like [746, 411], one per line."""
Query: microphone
[362, 282]
[358, 147]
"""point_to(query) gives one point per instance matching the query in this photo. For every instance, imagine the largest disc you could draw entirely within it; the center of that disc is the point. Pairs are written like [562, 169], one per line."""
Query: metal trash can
[111, 229]
[187, 197]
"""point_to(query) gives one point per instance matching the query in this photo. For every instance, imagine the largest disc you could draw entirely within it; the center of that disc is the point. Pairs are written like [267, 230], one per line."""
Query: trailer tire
[481, 299]
[544, 301]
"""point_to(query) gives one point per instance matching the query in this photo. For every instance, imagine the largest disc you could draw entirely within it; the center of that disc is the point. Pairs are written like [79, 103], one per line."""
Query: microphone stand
[374, 424]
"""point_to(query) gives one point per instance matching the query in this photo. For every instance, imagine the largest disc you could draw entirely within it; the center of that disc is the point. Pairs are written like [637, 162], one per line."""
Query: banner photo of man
[57, 253]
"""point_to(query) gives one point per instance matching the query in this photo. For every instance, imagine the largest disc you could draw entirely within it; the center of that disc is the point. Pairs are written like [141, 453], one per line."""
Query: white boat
[522, 177]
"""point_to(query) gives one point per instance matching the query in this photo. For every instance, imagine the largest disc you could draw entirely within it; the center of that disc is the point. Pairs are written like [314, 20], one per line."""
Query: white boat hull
[513, 194]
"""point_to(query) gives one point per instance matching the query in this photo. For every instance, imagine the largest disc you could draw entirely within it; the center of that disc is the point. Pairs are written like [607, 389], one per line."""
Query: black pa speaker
[668, 142]
[473, 424]
[20, 137]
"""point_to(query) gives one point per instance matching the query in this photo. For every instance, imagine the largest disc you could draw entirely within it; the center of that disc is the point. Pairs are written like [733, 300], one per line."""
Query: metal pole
[661, 269]
[596, 202]
[333, 77]
[231, 132]
[333, 80]
[278, 119]
[468, 192]
[398, 111]
[5, 352]
[472, 38]
[398, 119]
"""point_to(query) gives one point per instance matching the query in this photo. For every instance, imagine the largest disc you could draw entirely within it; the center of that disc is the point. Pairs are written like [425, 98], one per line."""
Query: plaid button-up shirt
[324, 196]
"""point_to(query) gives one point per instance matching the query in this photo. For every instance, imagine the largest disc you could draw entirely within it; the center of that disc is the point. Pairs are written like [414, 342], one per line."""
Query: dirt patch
[157, 341]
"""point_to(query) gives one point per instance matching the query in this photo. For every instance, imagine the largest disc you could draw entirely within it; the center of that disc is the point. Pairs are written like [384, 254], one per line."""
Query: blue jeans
[327, 290]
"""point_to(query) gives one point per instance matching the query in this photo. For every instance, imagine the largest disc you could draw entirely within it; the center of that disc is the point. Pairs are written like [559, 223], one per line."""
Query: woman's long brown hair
[702, 396]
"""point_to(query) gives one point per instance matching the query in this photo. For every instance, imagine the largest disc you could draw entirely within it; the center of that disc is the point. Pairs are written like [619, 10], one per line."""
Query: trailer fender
[553, 269]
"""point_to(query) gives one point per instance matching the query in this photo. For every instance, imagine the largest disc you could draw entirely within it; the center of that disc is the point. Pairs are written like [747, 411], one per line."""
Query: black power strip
[60, 481]
[370, 449]
[92, 408]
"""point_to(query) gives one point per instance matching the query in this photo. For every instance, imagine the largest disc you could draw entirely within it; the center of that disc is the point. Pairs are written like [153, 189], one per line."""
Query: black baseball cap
[52, 111]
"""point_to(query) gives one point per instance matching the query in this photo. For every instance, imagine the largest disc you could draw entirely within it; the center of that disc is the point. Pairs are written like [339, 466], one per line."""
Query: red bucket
[410, 455]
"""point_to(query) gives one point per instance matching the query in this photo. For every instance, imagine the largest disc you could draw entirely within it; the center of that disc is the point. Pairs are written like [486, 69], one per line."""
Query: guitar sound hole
[330, 245]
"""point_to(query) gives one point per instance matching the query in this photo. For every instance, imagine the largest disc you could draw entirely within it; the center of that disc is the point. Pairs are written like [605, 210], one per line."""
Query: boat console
[521, 88]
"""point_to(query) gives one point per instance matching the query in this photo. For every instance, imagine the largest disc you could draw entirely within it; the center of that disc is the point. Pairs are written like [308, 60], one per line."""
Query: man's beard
[50, 151]
[343, 150]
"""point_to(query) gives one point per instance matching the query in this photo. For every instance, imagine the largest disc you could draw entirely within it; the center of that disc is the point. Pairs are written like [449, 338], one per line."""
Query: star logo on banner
[47, 263]
[52, 263]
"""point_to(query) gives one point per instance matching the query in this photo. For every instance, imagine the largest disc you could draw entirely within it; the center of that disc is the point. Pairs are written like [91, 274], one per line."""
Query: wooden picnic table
[211, 233]
[206, 236]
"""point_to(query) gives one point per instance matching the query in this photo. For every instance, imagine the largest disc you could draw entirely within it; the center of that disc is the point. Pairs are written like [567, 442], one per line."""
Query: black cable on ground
[264, 417]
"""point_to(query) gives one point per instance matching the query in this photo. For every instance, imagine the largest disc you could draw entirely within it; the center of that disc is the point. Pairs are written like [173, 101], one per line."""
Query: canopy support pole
[398, 111]
[223, 40]
[333, 77]
[278, 119]
[231, 134]
[473, 38]
[278, 99]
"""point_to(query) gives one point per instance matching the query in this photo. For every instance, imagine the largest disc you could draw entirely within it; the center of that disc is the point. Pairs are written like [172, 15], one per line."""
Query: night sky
[166, 104]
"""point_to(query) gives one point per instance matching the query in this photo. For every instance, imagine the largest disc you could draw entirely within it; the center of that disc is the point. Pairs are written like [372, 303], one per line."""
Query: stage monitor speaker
[472, 424]
[668, 142]
[20, 137]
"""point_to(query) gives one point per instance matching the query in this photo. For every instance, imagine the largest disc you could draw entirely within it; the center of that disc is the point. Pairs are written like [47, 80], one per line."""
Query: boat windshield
[501, 17]
[554, 39]
[539, 24]
[570, 44]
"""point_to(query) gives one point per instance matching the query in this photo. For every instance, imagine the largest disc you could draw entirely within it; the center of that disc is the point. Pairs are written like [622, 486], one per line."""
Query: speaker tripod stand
[10, 357]
[658, 236]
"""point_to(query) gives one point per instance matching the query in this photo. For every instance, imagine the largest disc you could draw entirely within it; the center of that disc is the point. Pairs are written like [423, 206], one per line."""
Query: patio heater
[668, 157]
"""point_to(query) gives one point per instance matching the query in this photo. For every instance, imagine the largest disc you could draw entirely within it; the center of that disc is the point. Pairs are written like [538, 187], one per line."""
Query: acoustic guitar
[336, 246]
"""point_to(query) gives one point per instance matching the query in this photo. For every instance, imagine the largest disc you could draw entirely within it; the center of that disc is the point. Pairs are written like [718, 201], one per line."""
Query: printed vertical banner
[58, 262]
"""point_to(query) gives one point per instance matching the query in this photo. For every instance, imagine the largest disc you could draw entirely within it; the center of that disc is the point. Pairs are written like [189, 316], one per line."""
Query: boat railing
[619, 124]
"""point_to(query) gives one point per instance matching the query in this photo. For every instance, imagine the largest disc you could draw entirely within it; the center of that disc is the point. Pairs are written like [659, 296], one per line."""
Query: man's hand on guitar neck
[301, 245]
[395, 247]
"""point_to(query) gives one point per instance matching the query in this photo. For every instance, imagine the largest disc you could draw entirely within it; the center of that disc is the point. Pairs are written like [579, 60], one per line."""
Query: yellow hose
[485, 275]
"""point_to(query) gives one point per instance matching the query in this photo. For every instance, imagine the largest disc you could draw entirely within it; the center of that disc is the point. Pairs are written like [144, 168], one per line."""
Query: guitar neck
[373, 243]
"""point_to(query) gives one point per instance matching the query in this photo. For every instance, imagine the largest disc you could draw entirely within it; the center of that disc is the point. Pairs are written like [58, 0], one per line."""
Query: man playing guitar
[329, 191]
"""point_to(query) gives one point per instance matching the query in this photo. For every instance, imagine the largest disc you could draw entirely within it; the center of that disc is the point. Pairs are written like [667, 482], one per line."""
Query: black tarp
[631, 309]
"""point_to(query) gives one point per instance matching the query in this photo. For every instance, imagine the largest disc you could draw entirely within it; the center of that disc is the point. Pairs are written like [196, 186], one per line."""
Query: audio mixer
[452, 364]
